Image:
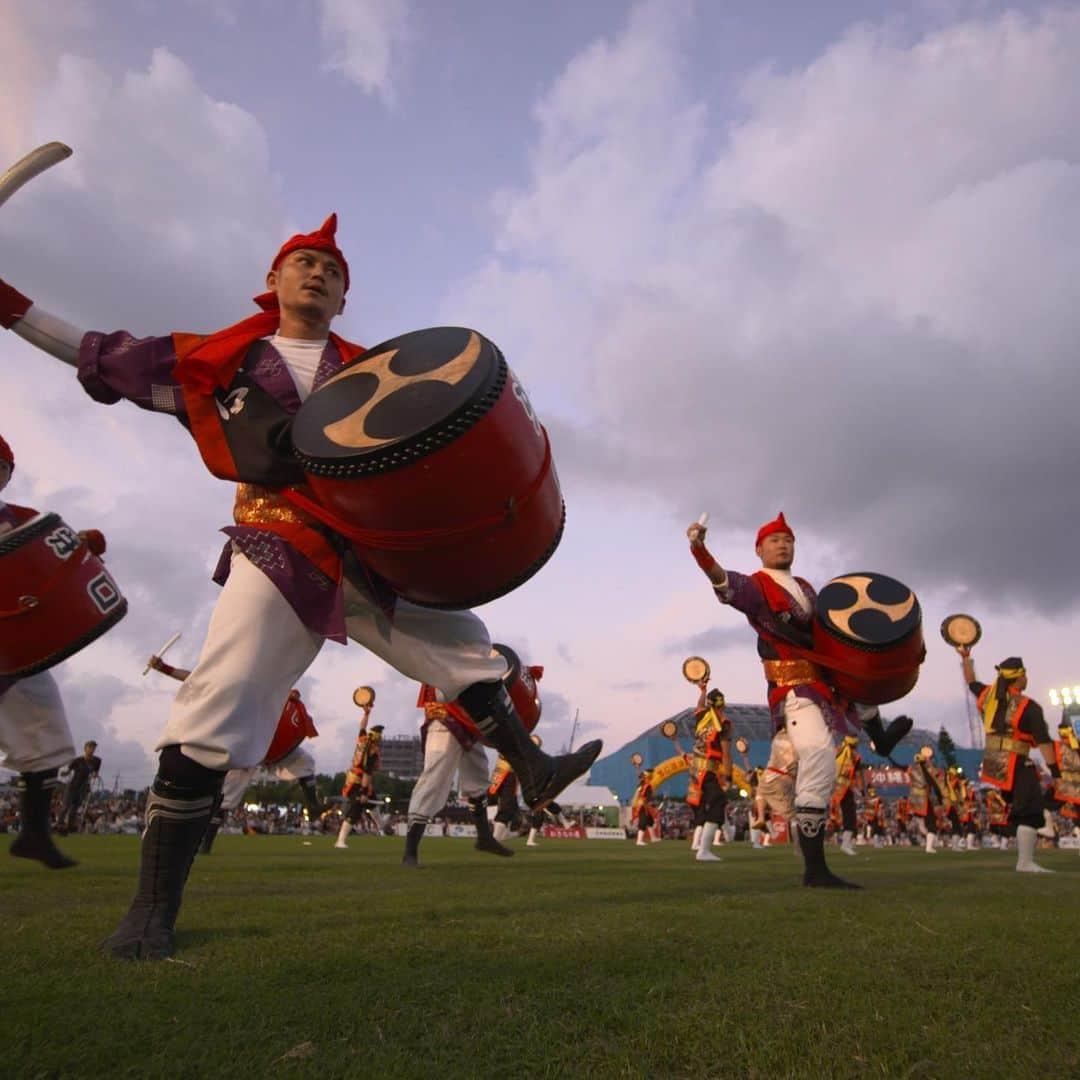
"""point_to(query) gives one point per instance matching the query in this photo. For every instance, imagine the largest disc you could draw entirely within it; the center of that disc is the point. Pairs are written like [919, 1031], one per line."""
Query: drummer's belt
[791, 672]
[1007, 745]
[257, 505]
[701, 764]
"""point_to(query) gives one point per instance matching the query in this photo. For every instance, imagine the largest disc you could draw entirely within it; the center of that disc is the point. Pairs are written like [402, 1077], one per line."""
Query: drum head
[868, 610]
[741, 745]
[636, 760]
[400, 401]
[961, 630]
[669, 729]
[695, 669]
[363, 696]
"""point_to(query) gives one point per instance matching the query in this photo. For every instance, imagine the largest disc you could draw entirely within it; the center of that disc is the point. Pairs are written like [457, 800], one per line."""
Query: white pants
[443, 757]
[294, 766]
[256, 648]
[34, 732]
[813, 744]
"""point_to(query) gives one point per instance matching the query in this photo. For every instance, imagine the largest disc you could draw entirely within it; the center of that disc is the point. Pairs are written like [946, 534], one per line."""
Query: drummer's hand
[696, 533]
[963, 650]
[155, 663]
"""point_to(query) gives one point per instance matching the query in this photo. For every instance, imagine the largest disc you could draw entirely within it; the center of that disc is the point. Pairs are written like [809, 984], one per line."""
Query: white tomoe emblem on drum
[62, 542]
[519, 392]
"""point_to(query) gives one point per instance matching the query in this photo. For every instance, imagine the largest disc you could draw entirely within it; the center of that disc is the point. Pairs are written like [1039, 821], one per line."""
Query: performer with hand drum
[1014, 725]
[290, 580]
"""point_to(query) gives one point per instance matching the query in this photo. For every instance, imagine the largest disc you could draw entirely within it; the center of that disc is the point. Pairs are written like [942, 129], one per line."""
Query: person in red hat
[289, 582]
[779, 607]
[35, 738]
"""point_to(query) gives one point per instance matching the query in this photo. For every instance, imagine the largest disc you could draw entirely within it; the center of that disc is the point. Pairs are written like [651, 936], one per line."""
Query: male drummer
[289, 582]
[35, 740]
[1014, 726]
[780, 608]
[297, 764]
[451, 748]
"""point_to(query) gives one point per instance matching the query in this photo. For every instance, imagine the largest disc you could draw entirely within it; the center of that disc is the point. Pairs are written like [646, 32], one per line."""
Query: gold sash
[791, 672]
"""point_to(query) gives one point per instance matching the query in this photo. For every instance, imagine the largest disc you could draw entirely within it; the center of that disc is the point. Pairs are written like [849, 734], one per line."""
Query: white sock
[708, 832]
[695, 843]
[342, 833]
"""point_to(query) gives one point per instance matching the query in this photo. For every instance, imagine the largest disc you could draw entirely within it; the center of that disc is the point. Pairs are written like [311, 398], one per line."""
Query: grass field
[578, 958]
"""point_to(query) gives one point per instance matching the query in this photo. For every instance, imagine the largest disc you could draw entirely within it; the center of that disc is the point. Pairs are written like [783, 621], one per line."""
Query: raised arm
[709, 566]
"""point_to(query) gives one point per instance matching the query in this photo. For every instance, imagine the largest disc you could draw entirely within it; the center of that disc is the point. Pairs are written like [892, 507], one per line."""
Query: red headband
[321, 240]
[777, 526]
[6, 454]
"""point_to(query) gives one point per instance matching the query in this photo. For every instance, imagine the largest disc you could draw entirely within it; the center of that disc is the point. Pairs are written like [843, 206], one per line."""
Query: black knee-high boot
[883, 740]
[178, 811]
[412, 843]
[810, 823]
[34, 840]
[542, 776]
[311, 798]
[484, 839]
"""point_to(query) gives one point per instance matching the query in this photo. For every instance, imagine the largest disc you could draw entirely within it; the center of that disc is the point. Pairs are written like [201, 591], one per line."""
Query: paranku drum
[870, 627]
[363, 697]
[695, 669]
[56, 596]
[961, 630]
[429, 456]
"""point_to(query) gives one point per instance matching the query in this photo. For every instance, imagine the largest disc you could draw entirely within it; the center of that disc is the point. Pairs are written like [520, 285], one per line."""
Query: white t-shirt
[302, 358]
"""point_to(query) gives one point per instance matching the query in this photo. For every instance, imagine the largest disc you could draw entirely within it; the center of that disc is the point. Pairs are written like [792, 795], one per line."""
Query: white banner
[601, 833]
[462, 830]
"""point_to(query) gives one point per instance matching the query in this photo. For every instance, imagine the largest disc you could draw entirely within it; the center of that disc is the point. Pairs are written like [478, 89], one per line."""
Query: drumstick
[704, 519]
[33, 164]
[161, 652]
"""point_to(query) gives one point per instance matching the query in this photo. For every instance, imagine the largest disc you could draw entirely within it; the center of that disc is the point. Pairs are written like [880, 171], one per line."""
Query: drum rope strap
[50, 583]
[418, 539]
[831, 663]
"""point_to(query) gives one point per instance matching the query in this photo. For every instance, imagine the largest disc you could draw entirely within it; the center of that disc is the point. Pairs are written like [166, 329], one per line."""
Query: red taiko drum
[428, 456]
[55, 596]
[870, 627]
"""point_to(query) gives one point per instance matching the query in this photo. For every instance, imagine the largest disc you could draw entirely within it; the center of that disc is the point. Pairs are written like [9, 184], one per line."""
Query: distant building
[751, 722]
[402, 756]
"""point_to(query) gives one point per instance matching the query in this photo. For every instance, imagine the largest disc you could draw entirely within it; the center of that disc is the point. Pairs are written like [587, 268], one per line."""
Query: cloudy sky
[745, 257]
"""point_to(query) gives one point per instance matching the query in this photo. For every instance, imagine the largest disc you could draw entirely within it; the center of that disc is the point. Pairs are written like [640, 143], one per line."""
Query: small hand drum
[695, 669]
[960, 630]
[537, 741]
[669, 729]
[636, 760]
[741, 745]
[363, 697]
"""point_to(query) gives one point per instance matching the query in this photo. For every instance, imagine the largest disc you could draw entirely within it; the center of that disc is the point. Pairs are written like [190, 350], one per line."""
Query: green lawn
[577, 958]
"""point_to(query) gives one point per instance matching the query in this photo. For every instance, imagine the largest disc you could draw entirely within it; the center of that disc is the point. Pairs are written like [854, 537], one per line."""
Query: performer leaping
[780, 608]
[289, 582]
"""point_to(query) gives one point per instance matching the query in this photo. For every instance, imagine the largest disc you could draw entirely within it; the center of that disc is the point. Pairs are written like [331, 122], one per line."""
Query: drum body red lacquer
[55, 596]
[870, 626]
[428, 446]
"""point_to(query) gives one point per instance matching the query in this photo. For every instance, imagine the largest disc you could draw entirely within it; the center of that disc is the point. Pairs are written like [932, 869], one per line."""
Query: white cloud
[364, 40]
[857, 307]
